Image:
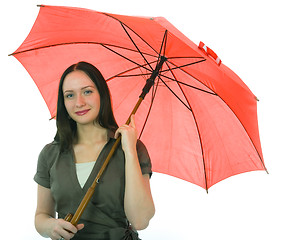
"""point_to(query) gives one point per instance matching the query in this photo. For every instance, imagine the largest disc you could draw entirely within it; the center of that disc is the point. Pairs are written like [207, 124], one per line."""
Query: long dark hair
[67, 127]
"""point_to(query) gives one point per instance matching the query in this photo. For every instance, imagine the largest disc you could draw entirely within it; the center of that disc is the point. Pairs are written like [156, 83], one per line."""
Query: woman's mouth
[81, 113]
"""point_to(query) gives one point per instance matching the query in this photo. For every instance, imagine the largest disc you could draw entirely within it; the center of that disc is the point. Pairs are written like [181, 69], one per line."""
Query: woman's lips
[81, 113]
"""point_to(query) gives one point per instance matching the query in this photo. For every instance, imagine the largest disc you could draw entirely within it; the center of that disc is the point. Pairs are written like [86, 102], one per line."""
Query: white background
[248, 35]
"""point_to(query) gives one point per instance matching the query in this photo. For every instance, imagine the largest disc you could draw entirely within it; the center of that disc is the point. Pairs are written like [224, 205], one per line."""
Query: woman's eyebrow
[81, 88]
[87, 87]
[68, 91]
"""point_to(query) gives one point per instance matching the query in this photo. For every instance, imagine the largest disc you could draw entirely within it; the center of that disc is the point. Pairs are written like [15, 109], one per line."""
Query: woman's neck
[91, 134]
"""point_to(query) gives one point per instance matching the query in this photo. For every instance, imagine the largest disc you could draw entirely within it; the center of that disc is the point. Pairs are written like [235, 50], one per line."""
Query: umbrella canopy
[199, 122]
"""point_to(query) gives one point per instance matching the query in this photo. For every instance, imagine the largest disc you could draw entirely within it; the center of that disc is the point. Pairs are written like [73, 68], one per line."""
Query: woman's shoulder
[50, 150]
[51, 147]
[46, 159]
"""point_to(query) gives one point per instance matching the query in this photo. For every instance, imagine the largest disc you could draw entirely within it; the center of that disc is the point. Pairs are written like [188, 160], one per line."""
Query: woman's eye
[87, 92]
[70, 95]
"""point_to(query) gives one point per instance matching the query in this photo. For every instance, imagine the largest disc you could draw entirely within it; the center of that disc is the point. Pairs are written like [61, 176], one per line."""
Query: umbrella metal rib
[137, 46]
[193, 115]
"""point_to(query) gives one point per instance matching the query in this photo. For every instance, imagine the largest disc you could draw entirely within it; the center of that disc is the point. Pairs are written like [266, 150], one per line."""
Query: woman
[86, 130]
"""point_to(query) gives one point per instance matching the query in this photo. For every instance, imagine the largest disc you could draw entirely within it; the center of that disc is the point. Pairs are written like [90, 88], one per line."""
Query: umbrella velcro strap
[209, 52]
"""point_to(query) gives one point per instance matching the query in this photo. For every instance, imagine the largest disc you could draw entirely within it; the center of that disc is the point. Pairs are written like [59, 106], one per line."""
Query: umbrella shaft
[150, 81]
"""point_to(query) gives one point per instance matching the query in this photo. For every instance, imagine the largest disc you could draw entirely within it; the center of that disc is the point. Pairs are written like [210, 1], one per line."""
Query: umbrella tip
[206, 190]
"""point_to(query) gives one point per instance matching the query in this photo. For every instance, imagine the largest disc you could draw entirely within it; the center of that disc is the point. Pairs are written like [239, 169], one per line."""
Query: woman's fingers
[68, 226]
[129, 135]
[132, 123]
[80, 226]
[65, 229]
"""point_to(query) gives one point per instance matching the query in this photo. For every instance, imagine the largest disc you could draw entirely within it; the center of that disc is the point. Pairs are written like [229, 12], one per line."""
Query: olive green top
[104, 217]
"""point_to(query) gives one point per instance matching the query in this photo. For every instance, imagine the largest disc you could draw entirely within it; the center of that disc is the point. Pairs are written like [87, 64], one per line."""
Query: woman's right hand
[63, 229]
[45, 222]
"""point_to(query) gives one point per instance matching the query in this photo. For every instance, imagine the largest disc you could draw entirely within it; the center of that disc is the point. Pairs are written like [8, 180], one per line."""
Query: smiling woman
[122, 202]
[82, 81]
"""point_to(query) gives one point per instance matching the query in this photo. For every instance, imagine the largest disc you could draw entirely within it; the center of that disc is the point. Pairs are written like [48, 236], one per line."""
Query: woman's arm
[139, 206]
[45, 221]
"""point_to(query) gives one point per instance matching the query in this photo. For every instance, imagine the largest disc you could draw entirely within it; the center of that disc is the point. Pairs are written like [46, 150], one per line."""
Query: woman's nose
[80, 101]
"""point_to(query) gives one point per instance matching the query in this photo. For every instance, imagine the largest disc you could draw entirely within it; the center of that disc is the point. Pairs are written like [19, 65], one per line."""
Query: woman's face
[81, 97]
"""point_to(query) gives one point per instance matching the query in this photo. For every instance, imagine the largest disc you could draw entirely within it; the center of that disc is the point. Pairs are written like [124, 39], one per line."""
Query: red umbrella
[199, 122]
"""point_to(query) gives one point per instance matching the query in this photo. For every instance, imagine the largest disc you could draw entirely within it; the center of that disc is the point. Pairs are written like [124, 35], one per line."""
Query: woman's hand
[63, 229]
[45, 221]
[129, 136]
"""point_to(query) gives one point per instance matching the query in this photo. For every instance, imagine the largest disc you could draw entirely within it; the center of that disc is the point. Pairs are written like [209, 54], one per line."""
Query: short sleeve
[42, 176]
[144, 159]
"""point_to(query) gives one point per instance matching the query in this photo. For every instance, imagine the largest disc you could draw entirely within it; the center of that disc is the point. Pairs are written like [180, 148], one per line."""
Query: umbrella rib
[184, 57]
[179, 67]
[175, 94]
[154, 90]
[188, 85]
[136, 45]
[165, 41]
[122, 23]
[124, 26]
[71, 43]
[185, 65]
[129, 75]
[190, 109]
[121, 74]
[163, 46]
[192, 76]
[139, 65]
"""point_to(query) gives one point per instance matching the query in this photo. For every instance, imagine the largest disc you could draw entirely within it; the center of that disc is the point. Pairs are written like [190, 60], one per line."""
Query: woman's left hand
[129, 136]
